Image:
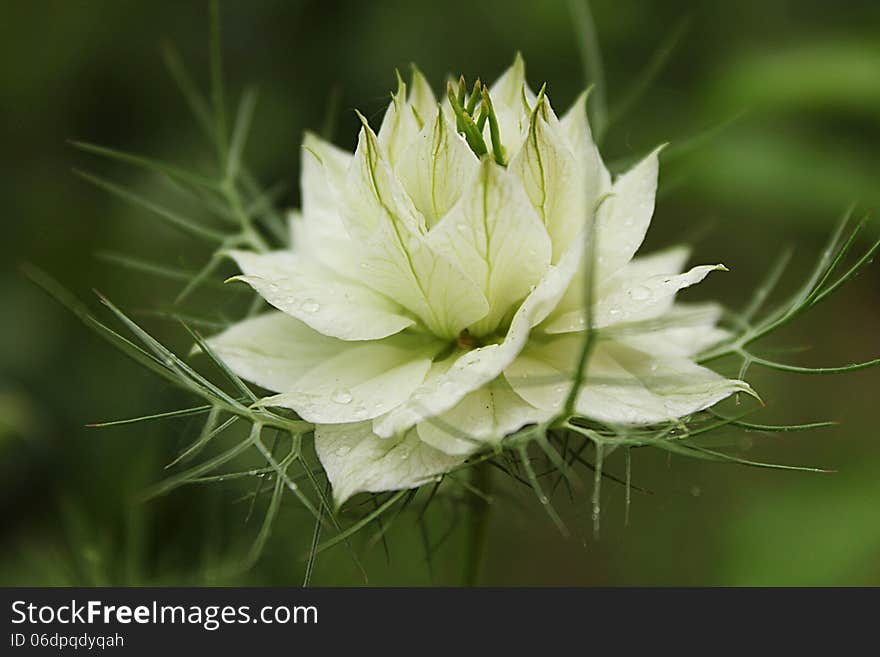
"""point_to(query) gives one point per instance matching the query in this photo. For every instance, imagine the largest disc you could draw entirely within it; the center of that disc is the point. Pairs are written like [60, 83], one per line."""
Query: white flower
[432, 300]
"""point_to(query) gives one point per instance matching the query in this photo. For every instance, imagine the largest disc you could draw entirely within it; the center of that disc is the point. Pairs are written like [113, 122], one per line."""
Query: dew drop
[311, 306]
[341, 396]
[342, 451]
[640, 293]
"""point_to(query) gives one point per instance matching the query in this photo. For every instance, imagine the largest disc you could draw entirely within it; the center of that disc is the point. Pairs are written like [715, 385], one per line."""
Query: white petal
[394, 257]
[273, 350]
[324, 300]
[569, 316]
[323, 172]
[590, 172]
[623, 219]
[421, 98]
[372, 194]
[484, 416]
[436, 168]
[542, 371]
[423, 281]
[321, 378]
[318, 233]
[576, 130]
[636, 299]
[324, 245]
[686, 330]
[554, 180]
[357, 461]
[668, 261]
[510, 96]
[361, 381]
[494, 234]
[478, 367]
[400, 126]
[623, 385]
[681, 385]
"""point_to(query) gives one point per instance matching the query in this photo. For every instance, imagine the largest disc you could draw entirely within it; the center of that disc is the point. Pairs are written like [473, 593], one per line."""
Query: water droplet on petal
[311, 306]
[342, 451]
[640, 293]
[341, 396]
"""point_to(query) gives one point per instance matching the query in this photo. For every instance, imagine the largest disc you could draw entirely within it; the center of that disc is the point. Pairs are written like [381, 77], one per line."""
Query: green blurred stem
[477, 526]
[249, 233]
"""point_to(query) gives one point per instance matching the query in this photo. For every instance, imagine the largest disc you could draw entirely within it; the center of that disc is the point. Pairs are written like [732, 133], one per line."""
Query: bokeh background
[773, 112]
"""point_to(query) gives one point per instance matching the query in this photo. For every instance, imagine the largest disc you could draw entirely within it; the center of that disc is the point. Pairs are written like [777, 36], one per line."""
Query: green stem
[248, 231]
[477, 526]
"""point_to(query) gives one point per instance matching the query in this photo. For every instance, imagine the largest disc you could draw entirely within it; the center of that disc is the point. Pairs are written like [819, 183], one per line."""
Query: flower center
[470, 124]
[467, 341]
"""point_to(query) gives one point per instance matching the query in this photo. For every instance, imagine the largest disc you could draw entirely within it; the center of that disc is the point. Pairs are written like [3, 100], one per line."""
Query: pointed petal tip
[401, 86]
[745, 388]
[365, 124]
[582, 99]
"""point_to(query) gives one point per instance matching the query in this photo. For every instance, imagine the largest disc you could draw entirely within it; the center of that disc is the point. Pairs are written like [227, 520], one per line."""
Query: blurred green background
[773, 112]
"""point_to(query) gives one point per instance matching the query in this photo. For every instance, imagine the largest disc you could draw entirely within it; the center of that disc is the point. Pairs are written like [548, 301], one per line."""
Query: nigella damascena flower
[432, 300]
